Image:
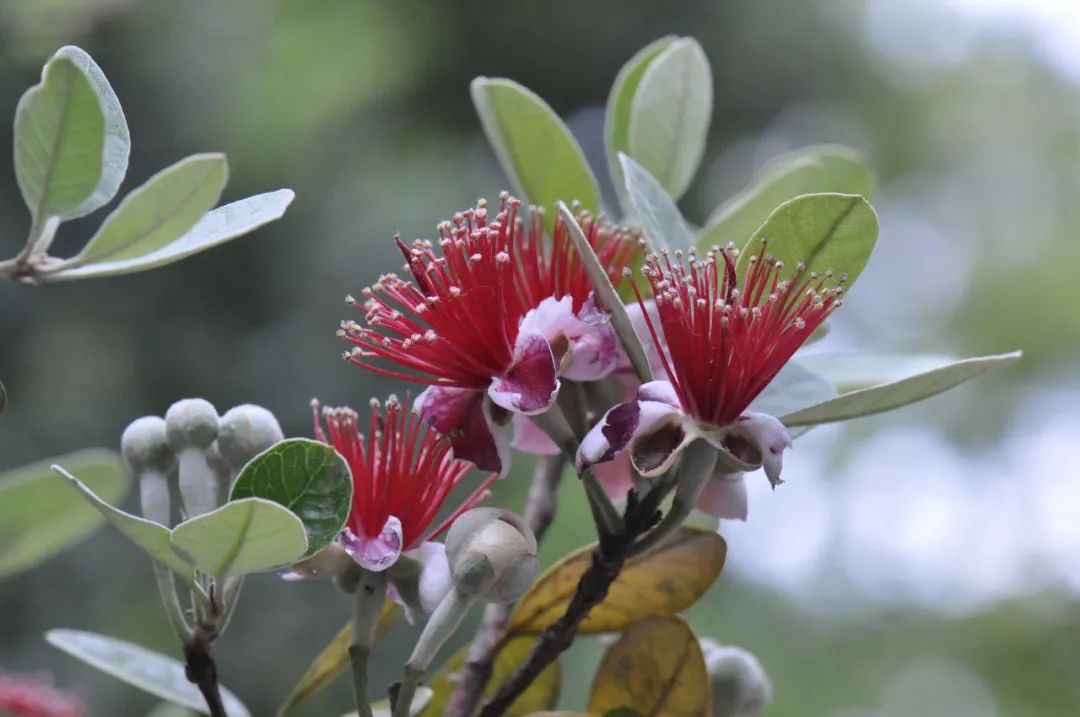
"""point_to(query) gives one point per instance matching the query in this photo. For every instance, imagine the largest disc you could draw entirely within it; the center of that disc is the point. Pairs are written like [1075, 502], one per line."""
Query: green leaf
[539, 155]
[655, 668]
[829, 232]
[617, 116]
[217, 227]
[888, 396]
[160, 211]
[670, 113]
[39, 516]
[655, 211]
[542, 693]
[307, 477]
[608, 297]
[241, 537]
[851, 372]
[71, 139]
[144, 669]
[811, 170]
[152, 538]
[332, 662]
[665, 581]
[794, 387]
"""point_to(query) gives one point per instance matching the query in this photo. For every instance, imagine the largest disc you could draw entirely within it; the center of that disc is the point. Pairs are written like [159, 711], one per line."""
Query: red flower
[402, 474]
[27, 697]
[720, 345]
[490, 320]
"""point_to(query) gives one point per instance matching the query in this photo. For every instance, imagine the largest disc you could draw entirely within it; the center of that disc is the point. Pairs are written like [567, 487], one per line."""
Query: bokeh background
[925, 562]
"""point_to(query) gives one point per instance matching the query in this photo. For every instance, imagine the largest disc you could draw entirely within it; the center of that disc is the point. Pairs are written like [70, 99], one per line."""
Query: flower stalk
[367, 606]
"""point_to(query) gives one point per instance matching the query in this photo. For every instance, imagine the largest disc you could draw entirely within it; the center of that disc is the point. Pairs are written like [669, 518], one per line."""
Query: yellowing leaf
[664, 582]
[334, 659]
[656, 668]
[540, 695]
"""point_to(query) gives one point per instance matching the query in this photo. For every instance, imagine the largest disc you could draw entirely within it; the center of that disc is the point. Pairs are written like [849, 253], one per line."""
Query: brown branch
[477, 668]
[201, 670]
[607, 562]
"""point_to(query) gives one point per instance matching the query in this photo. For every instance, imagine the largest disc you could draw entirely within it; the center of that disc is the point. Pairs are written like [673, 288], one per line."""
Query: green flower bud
[740, 687]
[191, 425]
[246, 431]
[492, 555]
[149, 457]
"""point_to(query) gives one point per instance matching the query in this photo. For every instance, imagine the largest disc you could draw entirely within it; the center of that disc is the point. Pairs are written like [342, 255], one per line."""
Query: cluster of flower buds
[207, 450]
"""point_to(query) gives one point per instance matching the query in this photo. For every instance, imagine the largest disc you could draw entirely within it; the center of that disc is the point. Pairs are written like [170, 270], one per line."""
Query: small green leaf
[241, 537]
[332, 662]
[888, 396]
[670, 114]
[152, 538]
[542, 693]
[828, 232]
[617, 116]
[71, 139]
[607, 296]
[160, 211]
[794, 387]
[40, 516]
[654, 210]
[811, 170]
[539, 155]
[144, 669]
[655, 668]
[217, 227]
[307, 477]
[851, 372]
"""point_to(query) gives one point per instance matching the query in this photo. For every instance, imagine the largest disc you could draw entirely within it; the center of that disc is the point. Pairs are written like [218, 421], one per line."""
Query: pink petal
[435, 579]
[593, 354]
[531, 385]
[528, 438]
[378, 553]
[764, 435]
[724, 498]
[627, 422]
[465, 416]
[592, 349]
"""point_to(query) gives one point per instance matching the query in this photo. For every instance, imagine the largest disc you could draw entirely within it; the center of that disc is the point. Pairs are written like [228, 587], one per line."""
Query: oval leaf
[40, 516]
[307, 477]
[539, 155]
[811, 170]
[851, 372]
[241, 537]
[670, 113]
[664, 582]
[160, 211]
[60, 142]
[332, 662]
[152, 538]
[656, 668]
[617, 116]
[217, 227]
[147, 670]
[888, 396]
[829, 232]
[541, 694]
[654, 210]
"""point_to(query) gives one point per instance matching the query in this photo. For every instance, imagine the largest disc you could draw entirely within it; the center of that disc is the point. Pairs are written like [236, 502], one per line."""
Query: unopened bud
[740, 687]
[492, 555]
[246, 431]
[191, 425]
[149, 457]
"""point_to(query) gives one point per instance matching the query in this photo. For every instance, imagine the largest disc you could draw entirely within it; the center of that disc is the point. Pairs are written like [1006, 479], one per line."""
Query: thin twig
[607, 562]
[201, 670]
[476, 670]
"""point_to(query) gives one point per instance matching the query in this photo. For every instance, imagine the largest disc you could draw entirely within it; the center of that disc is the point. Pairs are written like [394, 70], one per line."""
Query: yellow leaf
[541, 694]
[664, 582]
[656, 668]
[334, 659]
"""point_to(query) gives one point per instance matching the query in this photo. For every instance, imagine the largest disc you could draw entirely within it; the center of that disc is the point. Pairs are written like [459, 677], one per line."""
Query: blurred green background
[925, 562]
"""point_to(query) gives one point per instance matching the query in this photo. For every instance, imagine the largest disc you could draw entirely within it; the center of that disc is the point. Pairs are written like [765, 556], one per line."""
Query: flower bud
[191, 425]
[740, 687]
[148, 456]
[246, 431]
[492, 555]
